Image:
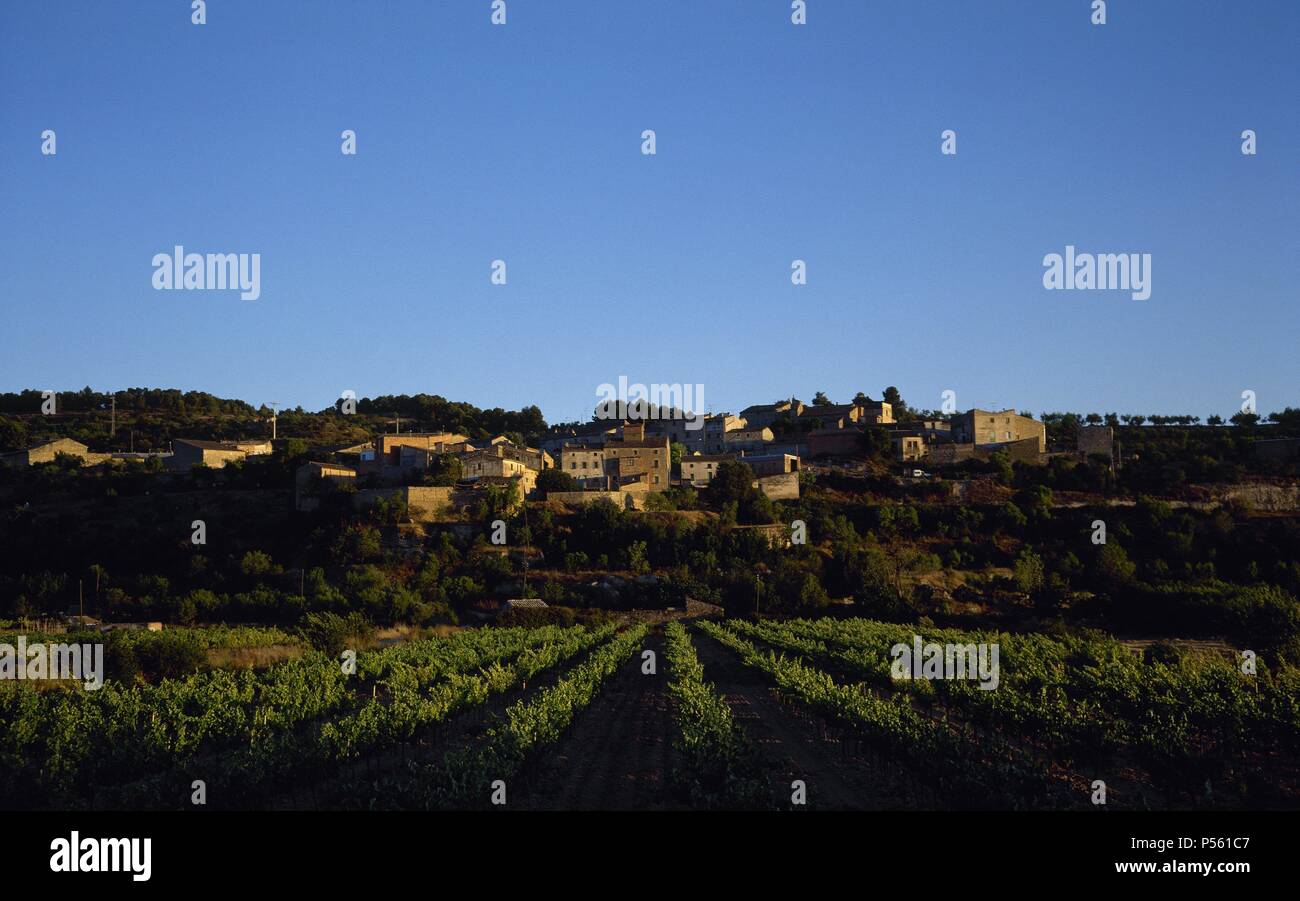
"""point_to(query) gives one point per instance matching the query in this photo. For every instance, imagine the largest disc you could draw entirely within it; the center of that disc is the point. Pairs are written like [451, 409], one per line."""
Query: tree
[444, 471]
[549, 480]
[13, 433]
[1027, 572]
[821, 400]
[894, 399]
[731, 484]
[293, 451]
[1114, 568]
[637, 561]
[256, 563]
[675, 452]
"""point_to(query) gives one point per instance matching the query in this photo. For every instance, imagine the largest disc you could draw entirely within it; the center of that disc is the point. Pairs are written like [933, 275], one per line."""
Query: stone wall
[628, 500]
[838, 443]
[1096, 439]
[1262, 497]
[784, 487]
[424, 504]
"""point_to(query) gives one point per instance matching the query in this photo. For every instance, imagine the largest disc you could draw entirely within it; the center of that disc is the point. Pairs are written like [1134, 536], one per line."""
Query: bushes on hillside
[332, 634]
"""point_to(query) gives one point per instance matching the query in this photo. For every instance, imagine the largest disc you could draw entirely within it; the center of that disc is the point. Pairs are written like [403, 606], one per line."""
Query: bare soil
[618, 753]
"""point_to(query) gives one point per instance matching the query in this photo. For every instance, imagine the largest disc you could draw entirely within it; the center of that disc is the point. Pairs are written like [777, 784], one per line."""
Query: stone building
[830, 416]
[1096, 439]
[492, 462]
[909, 447]
[636, 457]
[46, 453]
[586, 464]
[771, 464]
[984, 427]
[834, 442]
[308, 479]
[388, 447]
[698, 469]
[591, 434]
[748, 439]
[761, 415]
[716, 429]
[874, 412]
[188, 452]
[621, 461]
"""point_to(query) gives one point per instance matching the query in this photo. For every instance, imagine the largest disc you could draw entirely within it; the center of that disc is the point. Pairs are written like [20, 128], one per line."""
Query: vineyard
[730, 714]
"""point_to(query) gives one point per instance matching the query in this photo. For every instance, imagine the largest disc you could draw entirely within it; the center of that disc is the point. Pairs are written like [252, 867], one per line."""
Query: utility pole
[112, 418]
[274, 413]
[523, 500]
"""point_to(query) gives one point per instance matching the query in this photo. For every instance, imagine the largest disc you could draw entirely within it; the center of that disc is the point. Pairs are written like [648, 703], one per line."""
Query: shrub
[332, 634]
[169, 655]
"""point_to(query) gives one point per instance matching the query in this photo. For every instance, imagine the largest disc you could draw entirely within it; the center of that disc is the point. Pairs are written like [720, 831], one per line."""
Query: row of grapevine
[960, 771]
[58, 745]
[718, 768]
[466, 777]
[1092, 697]
[384, 723]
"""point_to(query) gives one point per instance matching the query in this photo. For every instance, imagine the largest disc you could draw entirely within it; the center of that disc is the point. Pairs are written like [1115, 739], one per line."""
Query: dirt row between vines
[618, 753]
[793, 748]
[430, 743]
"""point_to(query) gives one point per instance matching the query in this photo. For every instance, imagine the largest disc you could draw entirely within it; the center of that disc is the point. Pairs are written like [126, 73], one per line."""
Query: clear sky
[775, 142]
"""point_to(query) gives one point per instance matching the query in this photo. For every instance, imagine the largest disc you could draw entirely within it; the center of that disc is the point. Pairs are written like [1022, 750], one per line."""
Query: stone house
[387, 447]
[834, 442]
[761, 415]
[491, 462]
[1096, 439]
[716, 429]
[635, 457]
[986, 427]
[46, 453]
[586, 464]
[698, 469]
[909, 447]
[188, 452]
[748, 439]
[307, 481]
[771, 464]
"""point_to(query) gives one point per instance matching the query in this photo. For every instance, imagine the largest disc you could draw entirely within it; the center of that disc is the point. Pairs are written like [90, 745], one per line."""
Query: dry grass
[253, 658]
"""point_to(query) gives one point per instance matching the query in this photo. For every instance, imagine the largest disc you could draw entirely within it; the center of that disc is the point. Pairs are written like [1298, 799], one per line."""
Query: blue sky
[775, 142]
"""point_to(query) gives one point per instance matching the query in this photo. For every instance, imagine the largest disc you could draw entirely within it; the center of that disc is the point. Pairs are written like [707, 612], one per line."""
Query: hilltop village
[439, 476]
[156, 505]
